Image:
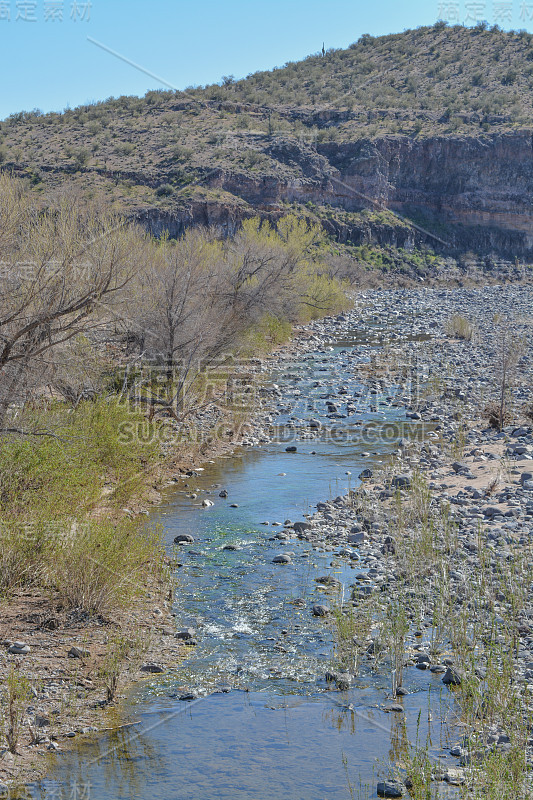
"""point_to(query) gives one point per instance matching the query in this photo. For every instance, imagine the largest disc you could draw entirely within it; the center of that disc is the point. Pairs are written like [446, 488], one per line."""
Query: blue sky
[48, 62]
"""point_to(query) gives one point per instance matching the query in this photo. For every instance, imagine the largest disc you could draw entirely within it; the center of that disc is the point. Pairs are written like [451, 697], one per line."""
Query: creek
[261, 721]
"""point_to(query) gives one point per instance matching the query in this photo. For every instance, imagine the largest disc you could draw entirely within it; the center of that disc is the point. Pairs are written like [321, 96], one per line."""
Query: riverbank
[442, 536]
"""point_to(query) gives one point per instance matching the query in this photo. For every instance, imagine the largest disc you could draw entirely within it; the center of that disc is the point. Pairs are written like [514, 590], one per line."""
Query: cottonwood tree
[61, 268]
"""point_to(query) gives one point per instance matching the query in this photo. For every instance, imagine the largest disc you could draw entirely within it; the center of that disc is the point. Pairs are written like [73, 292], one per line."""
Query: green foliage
[81, 157]
[119, 649]
[267, 332]
[52, 476]
[100, 566]
[252, 158]
[320, 295]
[49, 486]
[181, 154]
[125, 148]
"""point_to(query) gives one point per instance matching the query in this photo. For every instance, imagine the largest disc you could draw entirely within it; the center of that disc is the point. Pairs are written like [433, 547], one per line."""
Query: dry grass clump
[460, 328]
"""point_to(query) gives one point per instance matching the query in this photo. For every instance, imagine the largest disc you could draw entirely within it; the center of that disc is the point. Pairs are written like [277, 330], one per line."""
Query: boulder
[185, 634]
[390, 789]
[78, 652]
[401, 481]
[153, 669]
[183, 538]
[300, 527]
[452, 677]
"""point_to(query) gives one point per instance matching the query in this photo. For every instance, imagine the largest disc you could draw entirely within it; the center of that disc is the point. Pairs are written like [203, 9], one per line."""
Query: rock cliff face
[461, 193]
[480, 189]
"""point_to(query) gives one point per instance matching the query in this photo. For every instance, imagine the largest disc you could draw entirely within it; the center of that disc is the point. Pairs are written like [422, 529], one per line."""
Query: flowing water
[261, 721]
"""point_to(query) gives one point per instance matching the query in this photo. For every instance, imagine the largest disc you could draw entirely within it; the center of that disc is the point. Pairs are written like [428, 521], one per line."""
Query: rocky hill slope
[423, 138]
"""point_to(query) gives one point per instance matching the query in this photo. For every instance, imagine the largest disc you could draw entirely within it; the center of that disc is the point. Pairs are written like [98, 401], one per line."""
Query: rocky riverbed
[420, 557]
[445, 528]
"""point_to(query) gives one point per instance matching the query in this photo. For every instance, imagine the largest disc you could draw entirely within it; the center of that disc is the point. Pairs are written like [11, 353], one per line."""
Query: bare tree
[186, 321]
[60, 269]
[198, 295]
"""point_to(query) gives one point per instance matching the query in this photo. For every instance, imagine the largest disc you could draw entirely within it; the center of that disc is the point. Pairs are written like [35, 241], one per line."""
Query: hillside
[433, 124]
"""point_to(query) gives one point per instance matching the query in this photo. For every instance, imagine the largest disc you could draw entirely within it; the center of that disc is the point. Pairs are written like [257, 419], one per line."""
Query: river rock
[183, 538]
[281, 559]
[390, 789]
[154, 669]
[460, 468]
[329, 580]
[320, 610]
[401, 481]
[19, 649]
[455, 777]
[452, 677]
[343, 681]
[185, 634]
[300, 527]
[78, 652]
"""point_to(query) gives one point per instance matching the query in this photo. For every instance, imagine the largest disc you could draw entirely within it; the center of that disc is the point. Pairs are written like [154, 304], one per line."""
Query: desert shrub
[165, 190]
[96, 566]
[182, 154]
[269, 330]
[125, 148]
[252, 158]
[50, 485]
[320, 295]
[16, 694]
[81, 157]
[101, 566]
